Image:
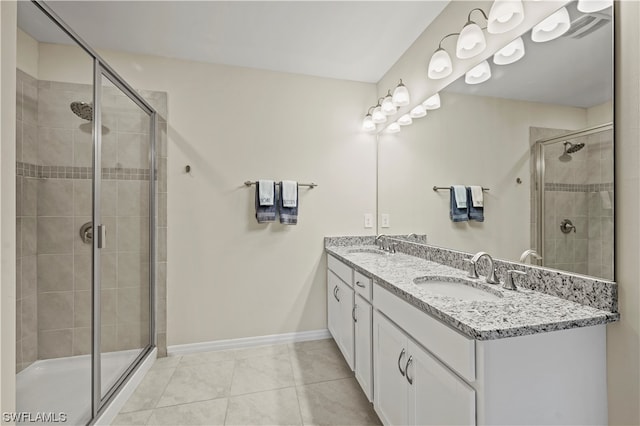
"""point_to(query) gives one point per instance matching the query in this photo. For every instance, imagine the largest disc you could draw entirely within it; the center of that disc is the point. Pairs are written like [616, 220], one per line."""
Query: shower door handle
[102, 236]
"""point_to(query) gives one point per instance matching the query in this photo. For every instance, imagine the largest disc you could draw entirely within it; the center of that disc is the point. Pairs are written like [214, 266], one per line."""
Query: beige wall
[229, 277]
[27, 55]
[7, 206]
[470, 140]
[600, 114]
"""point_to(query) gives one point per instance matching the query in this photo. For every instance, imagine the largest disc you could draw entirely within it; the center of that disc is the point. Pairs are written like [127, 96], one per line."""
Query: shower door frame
[540, 176]
[102, 69]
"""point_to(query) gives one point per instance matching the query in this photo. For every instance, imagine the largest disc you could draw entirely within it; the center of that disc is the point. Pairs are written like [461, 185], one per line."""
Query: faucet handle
[492, 278]
[472, 270]
[508, 281]
[392, 247]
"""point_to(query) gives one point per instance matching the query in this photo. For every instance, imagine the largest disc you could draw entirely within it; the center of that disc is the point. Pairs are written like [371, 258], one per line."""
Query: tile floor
[294, 384]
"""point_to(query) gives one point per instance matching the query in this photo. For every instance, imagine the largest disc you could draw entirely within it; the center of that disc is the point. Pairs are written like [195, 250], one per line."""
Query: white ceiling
[350, 40]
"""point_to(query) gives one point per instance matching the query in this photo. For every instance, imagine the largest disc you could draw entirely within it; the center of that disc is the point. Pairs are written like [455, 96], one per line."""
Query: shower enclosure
[86, 182]
[575, 205]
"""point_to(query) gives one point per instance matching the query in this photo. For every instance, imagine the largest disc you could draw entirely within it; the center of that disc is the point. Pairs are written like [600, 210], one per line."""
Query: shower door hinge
[102, 236]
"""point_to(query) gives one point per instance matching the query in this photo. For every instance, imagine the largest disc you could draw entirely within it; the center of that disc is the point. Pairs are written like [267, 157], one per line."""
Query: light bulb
[471, 41]
[393, 128]
[433, 102]
[478, 74]
[417, 112]
[367, 124]
[401, 95]
[388, 108]
[378, 116]
[552, 27]
[511, 53]
[405, 120]
[588, 6]
[440, 65]
[504, 16]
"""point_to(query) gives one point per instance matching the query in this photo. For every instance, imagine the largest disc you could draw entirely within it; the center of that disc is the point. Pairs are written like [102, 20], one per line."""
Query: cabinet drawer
[344, 272]
[363, 285]
[451, 347]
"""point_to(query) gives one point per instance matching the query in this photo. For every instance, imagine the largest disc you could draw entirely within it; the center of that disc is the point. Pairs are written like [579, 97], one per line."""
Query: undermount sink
[459, 289]
[368, 251]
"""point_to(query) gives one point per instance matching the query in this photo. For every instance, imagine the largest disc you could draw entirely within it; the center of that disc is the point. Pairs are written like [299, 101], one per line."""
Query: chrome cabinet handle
[406, 369]
[360, 285]
[336, 293]
[400, 366]
[353, 313]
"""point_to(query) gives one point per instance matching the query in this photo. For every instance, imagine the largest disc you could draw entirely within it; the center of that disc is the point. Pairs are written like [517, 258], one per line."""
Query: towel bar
[440, 188]
[310, 185]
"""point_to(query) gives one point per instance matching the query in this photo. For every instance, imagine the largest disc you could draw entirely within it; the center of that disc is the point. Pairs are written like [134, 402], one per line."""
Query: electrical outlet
[386, 222]
[368, 220]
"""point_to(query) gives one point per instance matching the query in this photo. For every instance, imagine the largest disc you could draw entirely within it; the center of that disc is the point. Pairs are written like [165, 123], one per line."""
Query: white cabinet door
[436, 395]
[346, 341]
[362, 316]
[333, 306]
[390, 385]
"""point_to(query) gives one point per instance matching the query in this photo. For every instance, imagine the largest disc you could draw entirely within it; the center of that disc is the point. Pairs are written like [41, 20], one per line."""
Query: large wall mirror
[538, 135]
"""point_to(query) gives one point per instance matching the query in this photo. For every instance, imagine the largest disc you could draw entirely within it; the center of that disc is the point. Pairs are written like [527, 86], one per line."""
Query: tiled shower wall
[63, 166]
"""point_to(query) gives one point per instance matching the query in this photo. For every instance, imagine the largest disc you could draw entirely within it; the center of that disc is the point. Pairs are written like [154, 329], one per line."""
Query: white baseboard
[247, 342]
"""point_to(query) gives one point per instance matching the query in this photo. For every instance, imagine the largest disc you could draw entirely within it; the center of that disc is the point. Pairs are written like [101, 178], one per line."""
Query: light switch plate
[386, 222]
[368, 220]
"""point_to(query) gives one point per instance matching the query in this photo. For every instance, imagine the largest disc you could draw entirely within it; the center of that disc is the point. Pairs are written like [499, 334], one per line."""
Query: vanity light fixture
[388, 107]
[511, 53]
[478, 74]
[504, 16]
[401, 95]
[367, 124]
[377, 115]
[471, 41]
[393, 128]
[552, 27]
[418, 111]
[433, 102]
[405, 120]
[588, 6]
[440, 63]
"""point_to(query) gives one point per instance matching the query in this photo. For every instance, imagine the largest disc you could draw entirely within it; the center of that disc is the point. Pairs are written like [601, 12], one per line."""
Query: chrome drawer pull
[406, 369]
[399, 366]
[360, 285]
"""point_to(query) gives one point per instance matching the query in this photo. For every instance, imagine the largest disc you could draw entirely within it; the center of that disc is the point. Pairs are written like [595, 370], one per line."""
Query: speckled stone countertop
[511, 314]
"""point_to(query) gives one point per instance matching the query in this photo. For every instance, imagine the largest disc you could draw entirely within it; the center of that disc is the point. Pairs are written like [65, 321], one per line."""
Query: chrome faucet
[380, 241]
[413, 234]
[531, 252]
[491, 276]
[508, 281]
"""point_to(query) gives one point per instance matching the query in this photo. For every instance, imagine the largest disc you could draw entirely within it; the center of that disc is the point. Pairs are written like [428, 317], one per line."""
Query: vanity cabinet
[340, 316]
[412, 387]
[362, 315]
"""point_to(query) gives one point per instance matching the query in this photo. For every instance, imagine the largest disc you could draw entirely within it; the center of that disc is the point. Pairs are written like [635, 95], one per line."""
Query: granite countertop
[511, 314]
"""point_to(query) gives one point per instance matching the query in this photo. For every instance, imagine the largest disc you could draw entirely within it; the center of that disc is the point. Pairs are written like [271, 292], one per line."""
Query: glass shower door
[126, 252]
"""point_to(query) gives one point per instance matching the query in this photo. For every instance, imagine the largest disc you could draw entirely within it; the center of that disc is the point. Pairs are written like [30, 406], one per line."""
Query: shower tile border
[34, 171]
[577, 187]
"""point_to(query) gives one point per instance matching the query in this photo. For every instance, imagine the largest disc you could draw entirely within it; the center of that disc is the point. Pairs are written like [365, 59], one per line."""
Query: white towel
[289, 193]
[606, 200]
[461, 196]
[266, 192]
[477, 196]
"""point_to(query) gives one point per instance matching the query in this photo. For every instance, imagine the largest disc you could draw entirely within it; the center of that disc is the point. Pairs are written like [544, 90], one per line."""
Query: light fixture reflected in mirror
[405, 120]
[401, 95]
[440, 65]
[393, 128]
[367, 124]
[511, 53]
[432, 103]
[478, 74]
[471, 41]
[504, 16]
[552, 27]
[589, 6]
[418, 112]
[388, 108]
[377, 115]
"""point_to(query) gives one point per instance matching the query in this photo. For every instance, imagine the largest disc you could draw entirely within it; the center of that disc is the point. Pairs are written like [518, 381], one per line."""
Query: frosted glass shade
[401, 95]
[378, 116]
[393, 128]
[478, 74]
[417, 112]
[388, 108]
[504, 16]
[405, 120]
[511, 53]
[440, 65]
[471, 41]
[552, 27]
[588, 6]
[433, 102]
[367, 124]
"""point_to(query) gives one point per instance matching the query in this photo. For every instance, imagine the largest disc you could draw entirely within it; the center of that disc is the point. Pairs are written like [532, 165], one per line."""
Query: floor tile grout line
[295, 389]
[233, 373]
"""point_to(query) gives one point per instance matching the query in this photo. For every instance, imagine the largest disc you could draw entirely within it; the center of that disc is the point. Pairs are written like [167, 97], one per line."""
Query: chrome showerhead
[572, 148]
[83, 110]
